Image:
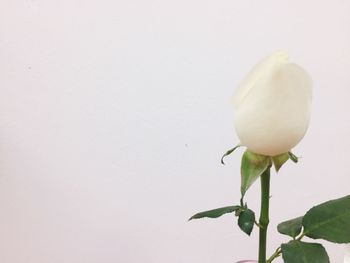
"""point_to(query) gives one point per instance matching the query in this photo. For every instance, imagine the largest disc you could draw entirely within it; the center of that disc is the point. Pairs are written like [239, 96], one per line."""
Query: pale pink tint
[114, 116]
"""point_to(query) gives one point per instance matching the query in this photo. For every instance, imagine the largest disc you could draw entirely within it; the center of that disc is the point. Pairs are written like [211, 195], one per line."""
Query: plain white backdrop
[114, 116]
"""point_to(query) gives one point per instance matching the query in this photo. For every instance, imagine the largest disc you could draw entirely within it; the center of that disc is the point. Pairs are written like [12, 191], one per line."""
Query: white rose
[273, 105]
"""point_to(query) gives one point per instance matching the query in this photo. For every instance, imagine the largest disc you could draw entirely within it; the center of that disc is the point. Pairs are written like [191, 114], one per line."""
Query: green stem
[264, 214]
[275, 255]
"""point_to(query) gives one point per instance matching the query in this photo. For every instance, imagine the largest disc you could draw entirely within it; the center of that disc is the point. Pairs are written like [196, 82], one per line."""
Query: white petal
[258, 72]
[274, 115]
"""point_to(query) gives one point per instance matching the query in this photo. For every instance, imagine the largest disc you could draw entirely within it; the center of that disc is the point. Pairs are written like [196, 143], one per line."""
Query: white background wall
[114, 115]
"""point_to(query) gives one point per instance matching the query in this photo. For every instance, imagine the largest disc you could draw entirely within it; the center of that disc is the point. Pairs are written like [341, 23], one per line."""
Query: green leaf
[301, 252]
[293, 157]
[246, 221]
[228, 153]
[279, 160]
[253, 165]
[216, 212]
[329, 221]
[291, 227]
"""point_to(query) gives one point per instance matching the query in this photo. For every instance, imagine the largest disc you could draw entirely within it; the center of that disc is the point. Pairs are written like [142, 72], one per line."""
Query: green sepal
[293, 157]
[228, 153]
[291, 227]
[279, 160]
[252, 166]
[216, 212]
[246, 221]
[329, 221]
[301, 252]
